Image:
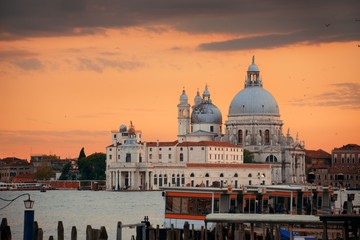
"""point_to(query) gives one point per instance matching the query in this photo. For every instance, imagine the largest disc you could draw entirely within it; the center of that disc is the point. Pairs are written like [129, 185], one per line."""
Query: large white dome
[254, 101]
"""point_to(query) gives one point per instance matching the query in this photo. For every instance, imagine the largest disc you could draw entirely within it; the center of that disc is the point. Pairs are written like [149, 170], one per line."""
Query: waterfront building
[12, 167]
[318, 162]
[48, 166]
[346, 161]
[203, 155]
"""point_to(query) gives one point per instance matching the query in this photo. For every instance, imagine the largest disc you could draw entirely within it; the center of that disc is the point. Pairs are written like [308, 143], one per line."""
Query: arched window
[178, 180]
[165, 179]
[271, 158]
[192, 175]
[182, 179]
[250, 175]
[173, 180]
[155, 179]
[235, 175]
[160, 180]
[240, 137]
[181, 157]
[207, 175]
[267, 137]
[221, 175]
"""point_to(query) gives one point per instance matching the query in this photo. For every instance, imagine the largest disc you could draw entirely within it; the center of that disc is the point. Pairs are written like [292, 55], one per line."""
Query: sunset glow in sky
[72, 71]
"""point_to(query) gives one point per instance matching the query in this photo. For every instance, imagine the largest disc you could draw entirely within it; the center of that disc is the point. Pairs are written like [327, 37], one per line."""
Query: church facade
[203, 155]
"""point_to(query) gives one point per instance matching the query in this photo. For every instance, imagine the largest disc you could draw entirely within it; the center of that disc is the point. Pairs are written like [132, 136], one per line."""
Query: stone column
[118, 186]
[129, 179]
[146, 180]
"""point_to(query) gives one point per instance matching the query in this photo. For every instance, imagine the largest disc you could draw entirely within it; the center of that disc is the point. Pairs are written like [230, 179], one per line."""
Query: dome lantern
[253, 75]
[253, 99]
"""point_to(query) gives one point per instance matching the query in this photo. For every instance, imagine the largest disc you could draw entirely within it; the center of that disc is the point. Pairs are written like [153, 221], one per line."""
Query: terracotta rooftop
[229, 165]
[162, 144]
[209, 144]
[317, 154]
[349, 147]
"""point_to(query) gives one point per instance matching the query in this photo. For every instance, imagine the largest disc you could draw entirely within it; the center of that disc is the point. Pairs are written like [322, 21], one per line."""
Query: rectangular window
[128, 157]
[150, 149]
[160, 156]
[169, 156]
[155, 180]
[173, 204]
[150, 156]
[110, 157]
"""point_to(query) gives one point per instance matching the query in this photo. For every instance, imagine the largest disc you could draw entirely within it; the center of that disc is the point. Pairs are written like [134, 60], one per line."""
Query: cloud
[120, 65]
[344, 95]
[268, 23]
[6, 55]
[29, 64]
[23, 59]
[38, 136]
[89, 65]
[99, 64]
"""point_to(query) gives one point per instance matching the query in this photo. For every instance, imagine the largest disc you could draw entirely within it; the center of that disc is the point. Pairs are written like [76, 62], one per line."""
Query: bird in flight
[327, 24]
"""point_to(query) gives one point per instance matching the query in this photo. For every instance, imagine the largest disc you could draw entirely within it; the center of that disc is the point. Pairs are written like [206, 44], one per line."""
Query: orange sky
[60, 93]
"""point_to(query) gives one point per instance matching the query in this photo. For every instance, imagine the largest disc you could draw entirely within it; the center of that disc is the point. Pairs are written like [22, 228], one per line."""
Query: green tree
[93, 167]
[43, 173]
[65, 172]
[248, 156]
[82, 154]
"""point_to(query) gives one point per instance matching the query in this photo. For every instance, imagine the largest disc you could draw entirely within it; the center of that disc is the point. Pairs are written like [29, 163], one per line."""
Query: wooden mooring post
[5, 232]
[73, 233]
[60, 231]
[142, 225]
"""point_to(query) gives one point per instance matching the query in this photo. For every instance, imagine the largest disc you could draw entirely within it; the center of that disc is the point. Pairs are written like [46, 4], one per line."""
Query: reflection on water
[82, 208]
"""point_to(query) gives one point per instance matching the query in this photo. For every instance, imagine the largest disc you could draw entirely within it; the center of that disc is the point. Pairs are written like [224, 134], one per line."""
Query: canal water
[82, 208]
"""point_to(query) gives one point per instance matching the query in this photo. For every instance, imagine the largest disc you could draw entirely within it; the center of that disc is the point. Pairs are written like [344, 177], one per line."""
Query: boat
[24, 187]
[192, 204]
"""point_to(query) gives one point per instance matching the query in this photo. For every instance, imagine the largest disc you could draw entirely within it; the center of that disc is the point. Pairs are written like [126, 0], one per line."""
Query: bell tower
[183, 117]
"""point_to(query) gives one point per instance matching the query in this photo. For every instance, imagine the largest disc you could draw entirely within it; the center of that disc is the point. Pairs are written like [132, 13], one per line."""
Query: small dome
[206, 112]
[183, 97]
[131, 131]
[253, 67]
[123, 128]
[198, 98]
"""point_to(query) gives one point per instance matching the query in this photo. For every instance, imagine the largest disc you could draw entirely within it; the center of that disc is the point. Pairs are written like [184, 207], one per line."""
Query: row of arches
[241, 136]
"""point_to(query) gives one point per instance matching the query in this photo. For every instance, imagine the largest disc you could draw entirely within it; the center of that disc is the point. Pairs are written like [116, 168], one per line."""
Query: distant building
[203, 154]
[14, 167]
[50, 163]
[346, 161]
[318, 162]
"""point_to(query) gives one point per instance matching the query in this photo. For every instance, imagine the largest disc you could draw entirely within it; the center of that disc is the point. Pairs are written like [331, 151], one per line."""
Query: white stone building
[203, 155]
